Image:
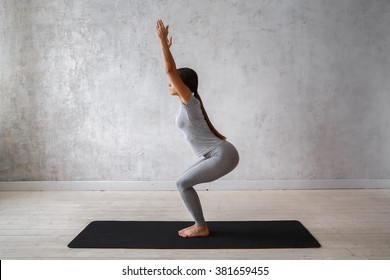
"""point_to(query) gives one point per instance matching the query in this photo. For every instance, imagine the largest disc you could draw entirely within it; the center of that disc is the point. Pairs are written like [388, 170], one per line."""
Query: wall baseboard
[214, 186]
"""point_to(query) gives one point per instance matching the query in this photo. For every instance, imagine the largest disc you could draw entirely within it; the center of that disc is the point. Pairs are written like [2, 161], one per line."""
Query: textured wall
[300, 87]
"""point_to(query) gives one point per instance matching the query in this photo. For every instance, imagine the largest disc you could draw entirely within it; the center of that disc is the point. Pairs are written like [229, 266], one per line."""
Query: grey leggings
[212, 166]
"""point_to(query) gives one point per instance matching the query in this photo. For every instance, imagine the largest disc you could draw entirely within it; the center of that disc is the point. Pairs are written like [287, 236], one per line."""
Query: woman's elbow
[169, 70]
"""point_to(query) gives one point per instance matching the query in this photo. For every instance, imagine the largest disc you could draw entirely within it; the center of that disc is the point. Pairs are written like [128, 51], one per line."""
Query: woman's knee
[182, 184]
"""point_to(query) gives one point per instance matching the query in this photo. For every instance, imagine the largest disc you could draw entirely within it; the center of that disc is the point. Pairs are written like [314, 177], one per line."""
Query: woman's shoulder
[194, 109]
[192, 102]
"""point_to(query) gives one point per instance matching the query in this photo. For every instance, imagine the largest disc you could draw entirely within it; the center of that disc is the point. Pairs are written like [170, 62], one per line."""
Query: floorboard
[349, 223]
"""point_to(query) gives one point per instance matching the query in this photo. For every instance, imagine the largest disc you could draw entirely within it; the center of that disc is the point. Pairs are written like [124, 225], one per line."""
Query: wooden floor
[349, 223]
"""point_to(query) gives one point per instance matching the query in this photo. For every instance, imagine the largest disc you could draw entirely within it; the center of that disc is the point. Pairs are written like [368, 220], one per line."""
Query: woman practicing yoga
[218, 156]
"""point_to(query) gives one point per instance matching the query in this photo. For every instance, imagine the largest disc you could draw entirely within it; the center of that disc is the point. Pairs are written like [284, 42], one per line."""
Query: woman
[219, 157]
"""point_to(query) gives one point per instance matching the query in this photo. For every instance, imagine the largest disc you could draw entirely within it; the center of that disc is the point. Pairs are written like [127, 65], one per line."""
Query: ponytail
[219, 135]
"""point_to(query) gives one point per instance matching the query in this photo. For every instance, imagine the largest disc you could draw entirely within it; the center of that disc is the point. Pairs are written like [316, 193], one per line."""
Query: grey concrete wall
[300, 87]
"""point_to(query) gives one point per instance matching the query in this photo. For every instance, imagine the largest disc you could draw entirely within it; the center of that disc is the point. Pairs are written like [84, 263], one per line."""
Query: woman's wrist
[163, 42]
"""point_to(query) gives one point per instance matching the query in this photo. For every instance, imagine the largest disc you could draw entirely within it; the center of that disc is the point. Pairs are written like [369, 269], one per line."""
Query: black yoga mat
[224, 235]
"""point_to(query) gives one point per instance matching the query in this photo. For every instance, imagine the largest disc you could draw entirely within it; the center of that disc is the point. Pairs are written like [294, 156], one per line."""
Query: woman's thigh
[211, 168]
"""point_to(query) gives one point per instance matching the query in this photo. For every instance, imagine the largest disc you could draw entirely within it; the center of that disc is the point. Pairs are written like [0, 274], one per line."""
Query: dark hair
[190, 79]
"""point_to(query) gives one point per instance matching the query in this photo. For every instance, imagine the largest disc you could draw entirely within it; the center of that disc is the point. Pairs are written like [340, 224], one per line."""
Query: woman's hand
[162, 32]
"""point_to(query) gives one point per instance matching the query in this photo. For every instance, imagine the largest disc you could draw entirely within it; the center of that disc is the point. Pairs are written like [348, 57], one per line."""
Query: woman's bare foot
[186, 229]
[195, 231]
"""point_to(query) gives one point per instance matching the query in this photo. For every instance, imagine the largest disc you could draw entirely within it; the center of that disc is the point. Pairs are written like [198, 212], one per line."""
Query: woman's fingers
[161, 24]
[169, 42]
[163, 31]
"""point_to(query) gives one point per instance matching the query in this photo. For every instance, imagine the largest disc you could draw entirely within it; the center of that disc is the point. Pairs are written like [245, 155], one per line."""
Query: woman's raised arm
[169, 62]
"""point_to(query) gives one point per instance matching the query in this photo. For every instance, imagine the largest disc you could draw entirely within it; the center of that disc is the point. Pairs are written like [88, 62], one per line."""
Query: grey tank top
[192, 123]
